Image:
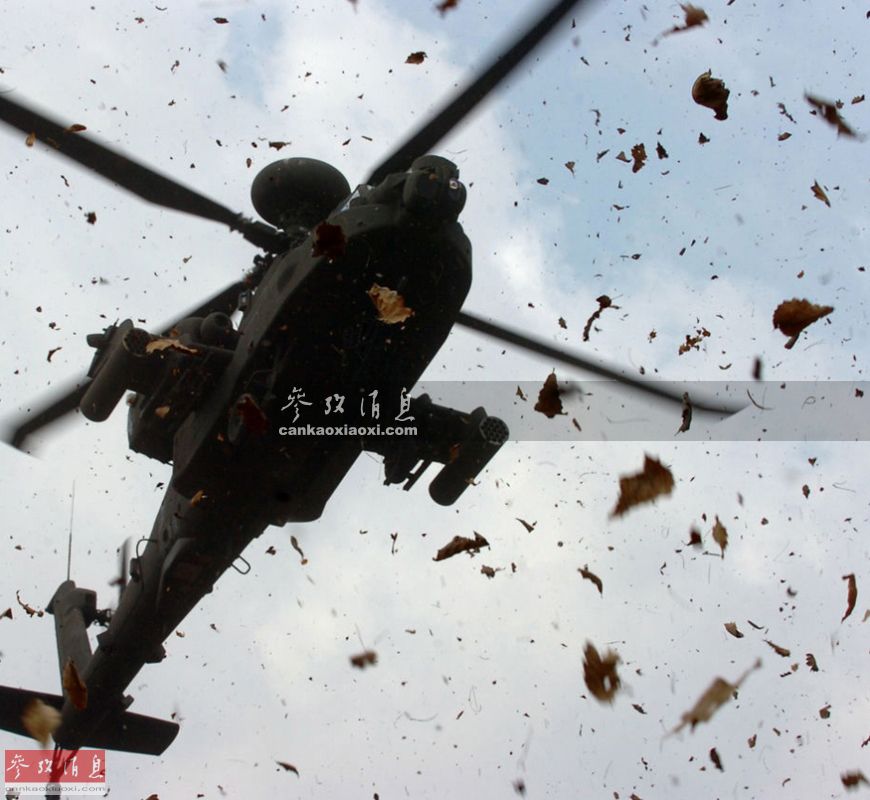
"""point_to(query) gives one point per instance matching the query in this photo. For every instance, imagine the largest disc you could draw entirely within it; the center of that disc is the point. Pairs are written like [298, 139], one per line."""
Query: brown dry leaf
[714, 757]
[831, 115]
[544, 181]
[156, 345]
[825, 711]
[686, 414]
[639, 708]
[364, 659]
[812, 663]
[280, 146]
[717, 694]
[643, 487]
[416, 58]
[720, 536]
[7, 614]
[445, 6]
[294, 543]
[603, 302]
[73, 685]
[329, 241]
[221, 20]
[622, 157]
[693, 342]
[780, 651]
[161, 412]
[529, 526]
[806, 490]
[660, 151]
[820, 194]
[287, 767]
[711, 93]
[28, 609]
[792, 316]
[40, 720]
[852, 595]
[488, 571]
[599, 673]
[91, 217]
[694, 537]
[549, 402]
[569, 165]
[851, 779]
[591, 576]
[783, 136]
[51, 353]
[751, 740]
[732, 628]
[390, 305]
[198, 498]
[76, 128]
[858, 98]
[638, 153]
[31, 139]
[461, 544]
[694, 16]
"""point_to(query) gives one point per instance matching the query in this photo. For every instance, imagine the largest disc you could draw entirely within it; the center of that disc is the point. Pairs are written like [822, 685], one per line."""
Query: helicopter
[209, 394]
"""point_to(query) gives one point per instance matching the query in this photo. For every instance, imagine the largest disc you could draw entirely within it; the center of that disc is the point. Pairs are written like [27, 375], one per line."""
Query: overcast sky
[479, 682]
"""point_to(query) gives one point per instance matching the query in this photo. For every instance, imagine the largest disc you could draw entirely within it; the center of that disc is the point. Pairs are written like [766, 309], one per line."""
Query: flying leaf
[831, 115]
[643, 487]
[711, 93]
[714, 757]
[825, 711]
[717, 694]
[488, 571]
[686, 414]
[811, 662]
[164, 343]
[694, 16]
[295, 545]
[329, 241]
[694, 537]
[693, 342]
[416, 58]
[851, 779]
[599, 673]
[28, 609]
[852, 595]
[76, 128]
[638, 153]
[731, 627]
[529, 526]
[221, 20]
[569, 165]
[549, 402]
[73, 685]
[390, 305]
[603, 302]
[461, 544]
[287, 767]
[591, 576]
[7, 614]
[445, 6]
[720, 536]
[31, 139]
[820, 194]
[40, 720]
[51, 353]
[780, 651]
[660, 151]
[364, 659]
[792, 316]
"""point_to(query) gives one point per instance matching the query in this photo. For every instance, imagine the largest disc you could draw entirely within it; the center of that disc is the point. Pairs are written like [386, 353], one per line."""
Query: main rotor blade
[436, 128]
[596, 368]
[225, 301]
[131, 175]
[63, 403]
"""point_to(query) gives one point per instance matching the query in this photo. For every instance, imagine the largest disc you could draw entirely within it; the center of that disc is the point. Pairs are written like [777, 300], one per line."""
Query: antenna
[72, 510]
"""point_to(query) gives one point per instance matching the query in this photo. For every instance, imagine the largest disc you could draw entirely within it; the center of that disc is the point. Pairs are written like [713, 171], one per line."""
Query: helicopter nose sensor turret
[298, 192]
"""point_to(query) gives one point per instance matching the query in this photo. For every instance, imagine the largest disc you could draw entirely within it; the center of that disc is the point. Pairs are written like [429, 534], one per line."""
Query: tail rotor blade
[438, 126]
[517, 339]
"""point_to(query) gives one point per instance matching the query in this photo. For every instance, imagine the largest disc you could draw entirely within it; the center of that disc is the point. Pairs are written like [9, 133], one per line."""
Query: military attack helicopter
[355, 293]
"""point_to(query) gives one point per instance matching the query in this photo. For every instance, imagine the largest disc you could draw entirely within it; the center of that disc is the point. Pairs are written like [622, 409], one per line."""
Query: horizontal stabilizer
[126, 731]
[14, 701]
